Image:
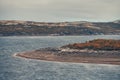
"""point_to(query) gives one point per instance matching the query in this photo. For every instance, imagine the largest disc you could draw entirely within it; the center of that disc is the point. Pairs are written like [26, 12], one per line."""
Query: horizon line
[57, 21]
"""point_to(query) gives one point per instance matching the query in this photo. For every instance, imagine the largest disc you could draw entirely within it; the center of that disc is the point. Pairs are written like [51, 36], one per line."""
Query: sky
[60, 10]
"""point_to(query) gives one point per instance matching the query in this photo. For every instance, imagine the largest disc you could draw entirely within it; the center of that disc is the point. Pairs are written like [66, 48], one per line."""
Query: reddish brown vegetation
[98, 44]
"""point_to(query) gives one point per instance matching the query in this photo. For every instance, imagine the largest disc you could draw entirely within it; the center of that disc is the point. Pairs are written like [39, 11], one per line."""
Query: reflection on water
[12, 68]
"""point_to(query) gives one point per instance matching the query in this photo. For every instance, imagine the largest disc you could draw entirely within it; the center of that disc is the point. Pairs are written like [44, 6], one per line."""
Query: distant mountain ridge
[31, 28]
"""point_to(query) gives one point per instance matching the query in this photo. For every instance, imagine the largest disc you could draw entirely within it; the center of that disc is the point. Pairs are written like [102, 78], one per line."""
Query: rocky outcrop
[79, 52]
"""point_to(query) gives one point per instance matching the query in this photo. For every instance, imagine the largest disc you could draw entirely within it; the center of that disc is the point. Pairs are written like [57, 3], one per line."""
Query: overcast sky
[60, 10]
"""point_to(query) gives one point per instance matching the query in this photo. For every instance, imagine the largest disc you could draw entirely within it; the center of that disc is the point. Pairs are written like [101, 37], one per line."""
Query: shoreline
[59, 35]
[15, 56]
[50, 56]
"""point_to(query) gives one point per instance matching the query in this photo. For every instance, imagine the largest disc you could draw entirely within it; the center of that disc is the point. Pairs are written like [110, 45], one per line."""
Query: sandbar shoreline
[61, 57]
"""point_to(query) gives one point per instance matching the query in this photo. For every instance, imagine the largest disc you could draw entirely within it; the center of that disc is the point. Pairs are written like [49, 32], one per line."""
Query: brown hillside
[98, 44]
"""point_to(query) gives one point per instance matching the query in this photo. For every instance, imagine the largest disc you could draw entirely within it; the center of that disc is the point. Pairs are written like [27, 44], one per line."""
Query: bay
[12, 68]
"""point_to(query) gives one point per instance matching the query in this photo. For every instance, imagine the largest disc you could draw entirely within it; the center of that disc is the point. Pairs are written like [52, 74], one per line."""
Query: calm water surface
[12, 68]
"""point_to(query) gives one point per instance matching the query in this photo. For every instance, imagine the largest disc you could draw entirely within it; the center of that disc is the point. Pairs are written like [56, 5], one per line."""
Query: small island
[100, 51]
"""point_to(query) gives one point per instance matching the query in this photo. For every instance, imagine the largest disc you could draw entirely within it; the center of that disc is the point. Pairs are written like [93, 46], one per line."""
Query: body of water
[12, 68]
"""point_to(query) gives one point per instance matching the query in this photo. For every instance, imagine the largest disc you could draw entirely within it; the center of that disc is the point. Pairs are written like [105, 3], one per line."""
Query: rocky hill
[98, 44]
[31, 28]
[100, 51]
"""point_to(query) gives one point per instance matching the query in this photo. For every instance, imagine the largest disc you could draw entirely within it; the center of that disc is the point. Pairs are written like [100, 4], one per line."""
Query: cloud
[60, 10]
